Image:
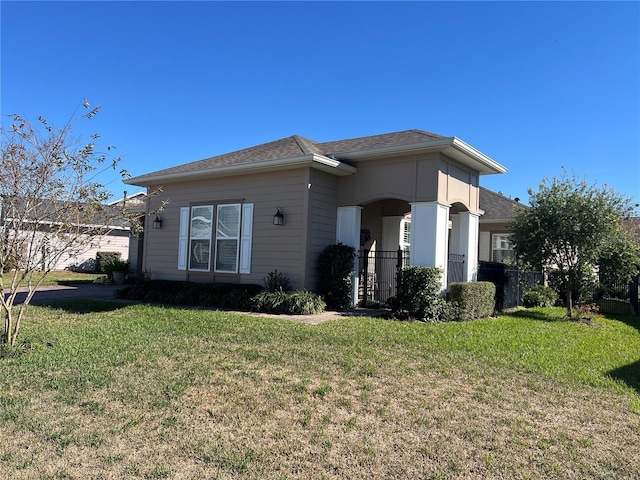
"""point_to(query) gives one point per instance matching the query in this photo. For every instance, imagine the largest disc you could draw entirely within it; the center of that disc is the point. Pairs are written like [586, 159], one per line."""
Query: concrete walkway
[106, 292]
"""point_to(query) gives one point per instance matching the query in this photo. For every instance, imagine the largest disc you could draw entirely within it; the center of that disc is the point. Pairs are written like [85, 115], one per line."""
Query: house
[40, 234]
[238, 216]
[494, 244]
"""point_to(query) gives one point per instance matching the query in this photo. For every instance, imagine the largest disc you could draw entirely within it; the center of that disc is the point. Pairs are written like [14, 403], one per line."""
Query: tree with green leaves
[571, 227]
[51, 205]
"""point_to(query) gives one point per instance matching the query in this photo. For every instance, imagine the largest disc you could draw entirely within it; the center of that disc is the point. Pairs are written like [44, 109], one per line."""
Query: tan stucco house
[238, 216]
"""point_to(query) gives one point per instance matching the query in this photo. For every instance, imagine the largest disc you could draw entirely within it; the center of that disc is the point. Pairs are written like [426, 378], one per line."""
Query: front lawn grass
[62, 277]
[109, 390]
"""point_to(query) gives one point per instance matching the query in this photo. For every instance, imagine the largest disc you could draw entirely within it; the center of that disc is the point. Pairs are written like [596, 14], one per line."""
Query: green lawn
[60, 277]
[108, 390]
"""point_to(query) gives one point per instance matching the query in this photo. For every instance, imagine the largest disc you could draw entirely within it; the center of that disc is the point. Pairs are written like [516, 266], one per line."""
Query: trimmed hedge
[472, 299]
[540, 296]
[420, 294]
[335, 267]
[219, 295]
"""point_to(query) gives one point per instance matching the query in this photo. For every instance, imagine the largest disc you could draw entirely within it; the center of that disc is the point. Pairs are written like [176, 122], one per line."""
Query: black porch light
[157, 223]
[278, 218]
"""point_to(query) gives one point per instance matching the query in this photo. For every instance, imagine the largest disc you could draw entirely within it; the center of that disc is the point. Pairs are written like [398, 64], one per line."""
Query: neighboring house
[81, 257]
[494, 244]
[238, 216]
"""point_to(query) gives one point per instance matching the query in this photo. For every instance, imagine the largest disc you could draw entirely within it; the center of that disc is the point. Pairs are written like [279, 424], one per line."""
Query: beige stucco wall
[416, 178]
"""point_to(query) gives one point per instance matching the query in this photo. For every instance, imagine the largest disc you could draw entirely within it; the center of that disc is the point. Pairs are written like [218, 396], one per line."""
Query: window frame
[494, 240]
[221, 238]
[199, 238]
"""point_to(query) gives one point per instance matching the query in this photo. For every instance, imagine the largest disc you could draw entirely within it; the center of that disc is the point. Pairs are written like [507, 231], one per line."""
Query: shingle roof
[295, 146]
[405, 137]
[496, 206]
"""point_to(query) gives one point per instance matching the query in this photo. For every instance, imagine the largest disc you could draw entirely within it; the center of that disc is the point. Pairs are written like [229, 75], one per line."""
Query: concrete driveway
[70, 292]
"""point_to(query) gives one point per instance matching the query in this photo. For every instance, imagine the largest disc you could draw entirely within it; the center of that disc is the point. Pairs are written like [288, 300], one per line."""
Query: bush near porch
[471, 300]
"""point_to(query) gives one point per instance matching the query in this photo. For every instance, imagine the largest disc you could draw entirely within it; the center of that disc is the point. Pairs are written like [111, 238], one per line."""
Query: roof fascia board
[312, 160]
[452, 146]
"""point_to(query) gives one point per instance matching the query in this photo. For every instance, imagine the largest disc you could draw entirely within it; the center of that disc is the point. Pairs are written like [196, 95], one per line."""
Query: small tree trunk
[568, 293]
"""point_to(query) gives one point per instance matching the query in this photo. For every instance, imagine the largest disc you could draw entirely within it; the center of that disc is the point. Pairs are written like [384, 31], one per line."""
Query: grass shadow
[84, 305]
[629, 374]
[71, 283]
[631, 320]
[533, 315]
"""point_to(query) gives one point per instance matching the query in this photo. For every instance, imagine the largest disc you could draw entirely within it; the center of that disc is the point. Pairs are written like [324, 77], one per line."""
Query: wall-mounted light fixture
[278, 218]
[157, 223]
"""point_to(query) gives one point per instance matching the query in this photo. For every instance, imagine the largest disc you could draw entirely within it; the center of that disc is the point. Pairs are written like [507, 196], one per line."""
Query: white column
[469, 224]
[348, 233]
[391, 234]
[430, 236]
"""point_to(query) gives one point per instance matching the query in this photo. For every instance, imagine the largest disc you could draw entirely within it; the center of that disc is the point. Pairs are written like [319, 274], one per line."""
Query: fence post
[633, 293]
[365, 280]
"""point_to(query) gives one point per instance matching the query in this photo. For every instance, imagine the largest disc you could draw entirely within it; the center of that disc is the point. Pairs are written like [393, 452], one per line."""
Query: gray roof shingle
[496, 206]
[296, 146]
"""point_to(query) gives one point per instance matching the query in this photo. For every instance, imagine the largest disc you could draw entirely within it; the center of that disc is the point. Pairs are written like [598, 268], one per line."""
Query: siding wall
[282, 247]
[323, 194]
[115, 241]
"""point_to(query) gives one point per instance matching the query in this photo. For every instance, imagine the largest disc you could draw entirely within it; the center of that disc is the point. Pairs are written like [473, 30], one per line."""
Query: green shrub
[420, 294]
[216, 295]
[276, 282]
[289, 303]
[113, 264]
[335, 267]
[471, 300]
[540, 296]
[105, 258]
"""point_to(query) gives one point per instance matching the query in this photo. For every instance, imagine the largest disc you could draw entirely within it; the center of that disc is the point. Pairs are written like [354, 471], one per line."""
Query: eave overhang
[450, 146]
[319, 162]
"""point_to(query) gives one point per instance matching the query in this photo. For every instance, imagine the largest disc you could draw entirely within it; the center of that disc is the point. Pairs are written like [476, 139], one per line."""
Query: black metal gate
[377, 275]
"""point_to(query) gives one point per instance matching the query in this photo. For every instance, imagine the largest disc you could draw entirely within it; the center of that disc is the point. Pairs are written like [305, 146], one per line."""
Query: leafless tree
[51, 204]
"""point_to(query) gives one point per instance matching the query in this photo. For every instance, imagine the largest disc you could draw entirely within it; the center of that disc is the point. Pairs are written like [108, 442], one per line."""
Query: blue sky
[536, 86]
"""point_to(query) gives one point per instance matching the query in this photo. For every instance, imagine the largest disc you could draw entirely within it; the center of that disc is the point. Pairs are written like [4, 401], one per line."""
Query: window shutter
[184, 238]
[246, 236]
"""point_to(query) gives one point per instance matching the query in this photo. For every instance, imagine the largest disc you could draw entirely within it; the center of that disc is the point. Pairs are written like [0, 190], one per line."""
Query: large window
[200, 239]
[502, 250]
[228, 247]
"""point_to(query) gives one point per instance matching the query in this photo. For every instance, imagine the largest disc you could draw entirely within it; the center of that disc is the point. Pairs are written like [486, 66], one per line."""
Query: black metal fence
[621, 291]
[377, 276]
[511, 283]
[455, 270]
